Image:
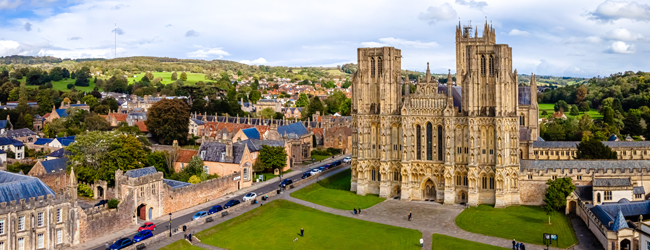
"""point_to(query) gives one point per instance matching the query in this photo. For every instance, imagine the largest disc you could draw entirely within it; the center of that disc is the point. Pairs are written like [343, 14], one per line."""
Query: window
[21, 243]
[202, 154]
[2, 227]
[418, 143]
[638, 196]
[21, 223]
[41, 241]
[59, 214]
[554, 177]
[374, 178]
[141, 191]
[396, 175]
[379, 66]
[484, 182]
[491, 182]
[153, 188]
[482, 65]
[40, 219]
[579, 177]
[2, 246]
[246, 173]
[458, 180]
[492, 69]
[598, 198]
[530, 176]
[59, 236]
[608, 195]
[372, 67]
[440, 135]
[429, 142]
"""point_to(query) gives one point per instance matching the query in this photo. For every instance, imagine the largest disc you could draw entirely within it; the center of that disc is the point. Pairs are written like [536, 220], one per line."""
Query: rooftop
[135, 173]
[17, 186]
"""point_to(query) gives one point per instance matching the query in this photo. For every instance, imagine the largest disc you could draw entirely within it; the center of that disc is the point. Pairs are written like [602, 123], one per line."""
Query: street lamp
[170, 224]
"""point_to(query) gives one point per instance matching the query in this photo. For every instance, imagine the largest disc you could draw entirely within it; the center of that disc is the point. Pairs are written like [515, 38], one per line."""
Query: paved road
[264, 188]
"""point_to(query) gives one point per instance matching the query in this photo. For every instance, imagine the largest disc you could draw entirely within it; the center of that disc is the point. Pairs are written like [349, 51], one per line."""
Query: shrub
[112, 203]
[70, 85]
[85, 191]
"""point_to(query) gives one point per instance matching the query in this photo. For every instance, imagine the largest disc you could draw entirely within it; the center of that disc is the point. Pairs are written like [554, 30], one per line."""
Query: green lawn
[549, 107]
[192, 78]
[181, 245]
[522, 223]
[63, 85]
[320, 157]
[276, 225]
[334, 192]
[444, 242]
[269, 175]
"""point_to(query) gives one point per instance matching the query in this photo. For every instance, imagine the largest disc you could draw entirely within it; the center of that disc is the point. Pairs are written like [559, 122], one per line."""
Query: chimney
[229, 155]
[175, 143]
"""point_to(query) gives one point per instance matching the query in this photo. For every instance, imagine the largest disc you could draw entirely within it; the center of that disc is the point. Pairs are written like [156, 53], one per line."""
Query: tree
[183, 76]
[561, 105]
[608, 116]
[632, 125]
[149, 75]
[315, 105]
[34, 77]
[302, 101]
[594, 149]
[574, 110]
[346, 107]
[194, 179]
[255, 96]
[581, 93]
[82, 77]
[267, 113]
[95, 122]
[125, 153]
[91, 101]
[556, 193]
[168, 120]
[174, 76]
[23, 107]
[584, 106]
[273, 157]
[194, 167]
[171, 156]
[56, 74]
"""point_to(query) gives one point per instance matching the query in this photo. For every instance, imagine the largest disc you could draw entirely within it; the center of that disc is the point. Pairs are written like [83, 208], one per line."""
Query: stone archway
[462, 197]
[429, 190]
[141, 212]
[626, 245]
[397, 191]
[572, 207]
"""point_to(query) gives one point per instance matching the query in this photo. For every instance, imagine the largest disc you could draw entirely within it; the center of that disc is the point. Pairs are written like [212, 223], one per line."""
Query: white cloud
[516, 32]
[210, 53]
[8, 47]
[623, 34]
[191, 33]
[612, 10]
[74, 38]
[400, 43]
[473, 4]
[621, 48]
[8, 4]
[257, 61]
[582, 40]
[437, 14]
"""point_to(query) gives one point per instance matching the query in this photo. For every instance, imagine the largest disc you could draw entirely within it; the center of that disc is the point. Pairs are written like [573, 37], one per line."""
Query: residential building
[13, 145]
[226, 159]
[24, 135]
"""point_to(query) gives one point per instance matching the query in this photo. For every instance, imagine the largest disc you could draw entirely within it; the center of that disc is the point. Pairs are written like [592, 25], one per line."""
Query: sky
[583, 38]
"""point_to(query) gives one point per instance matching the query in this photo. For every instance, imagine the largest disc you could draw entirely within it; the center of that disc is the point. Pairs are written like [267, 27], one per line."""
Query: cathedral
[452, 142]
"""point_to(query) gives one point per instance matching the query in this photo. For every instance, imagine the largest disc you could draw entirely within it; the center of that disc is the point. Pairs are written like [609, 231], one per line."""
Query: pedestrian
[302, 232]
[190, 237]
[522, 247]
[513, 244]
[410, 215]
[355, 210]
[421, 242]
[517, 246]
[359, 210]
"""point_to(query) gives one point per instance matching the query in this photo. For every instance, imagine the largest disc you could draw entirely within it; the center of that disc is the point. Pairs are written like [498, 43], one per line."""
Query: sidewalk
[163, 220]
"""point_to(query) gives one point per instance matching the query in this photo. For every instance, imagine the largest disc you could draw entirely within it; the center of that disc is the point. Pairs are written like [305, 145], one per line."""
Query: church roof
[524, 95]
[251, 133]
[612, 182]
[543, 165]
[585, 193]
[524, 134]
[295, 128]
[56, 165]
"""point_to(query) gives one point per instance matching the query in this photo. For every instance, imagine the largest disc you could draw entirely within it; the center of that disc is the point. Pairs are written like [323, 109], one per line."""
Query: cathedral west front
[452, 142]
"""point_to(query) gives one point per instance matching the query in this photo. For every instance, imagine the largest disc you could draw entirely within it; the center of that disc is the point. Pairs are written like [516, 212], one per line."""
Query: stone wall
[94, 223]
[185, 197]
[532, 192]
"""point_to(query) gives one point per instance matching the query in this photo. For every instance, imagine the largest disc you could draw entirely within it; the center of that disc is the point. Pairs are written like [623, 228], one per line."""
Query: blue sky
[553, 37]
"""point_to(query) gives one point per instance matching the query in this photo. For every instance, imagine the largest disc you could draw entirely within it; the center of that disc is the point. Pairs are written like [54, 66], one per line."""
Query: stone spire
[533, 89]
[428, 73]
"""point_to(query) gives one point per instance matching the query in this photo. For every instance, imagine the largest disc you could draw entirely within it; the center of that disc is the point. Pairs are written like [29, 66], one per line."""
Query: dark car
[121, 243]
[231, 203]
[215, 209]
[142, 235]
[306, 174]
[101, 203]
[336, 163]
[285, 182]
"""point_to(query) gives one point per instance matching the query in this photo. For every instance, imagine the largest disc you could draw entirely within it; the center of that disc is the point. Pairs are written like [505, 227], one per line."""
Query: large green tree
[315, 105]
[556, 193]
[83, 76]
[594, 149]
[273, 157]
[303, 100]
[168, 120]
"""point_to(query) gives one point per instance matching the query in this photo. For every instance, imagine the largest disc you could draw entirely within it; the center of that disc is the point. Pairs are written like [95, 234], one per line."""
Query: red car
[147, 226]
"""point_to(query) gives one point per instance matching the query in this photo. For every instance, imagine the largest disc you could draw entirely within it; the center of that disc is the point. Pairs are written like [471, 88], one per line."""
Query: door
[150, 212]
[143, 213]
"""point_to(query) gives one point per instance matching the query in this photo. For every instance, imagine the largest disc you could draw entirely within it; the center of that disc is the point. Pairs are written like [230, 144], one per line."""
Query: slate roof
[10, 141]
[607, 212]
[135, 173]
[43, 141]
[619, 222]
[586, 164]
[213, 152]
[255, 145]
[251, 133]
[16, 186]
[612, 182]
[612, 137]
[573, 144]
[62, 112]
[56, 165]
[539, 138]
[456, 94]
[20, 133]
[638, 190]
[585, 193]
[524, 95]
[3, 124]
[197, 121]
[524, 134]
[297, 128]
[175, 183]
[59, 153]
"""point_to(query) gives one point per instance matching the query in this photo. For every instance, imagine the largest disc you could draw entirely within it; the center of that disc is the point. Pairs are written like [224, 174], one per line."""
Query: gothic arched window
[482, 65]
[374, 178]
[372, 67]
[440, 136]
[418, 142]
[379, 65]
[492, 69]
[429, 142]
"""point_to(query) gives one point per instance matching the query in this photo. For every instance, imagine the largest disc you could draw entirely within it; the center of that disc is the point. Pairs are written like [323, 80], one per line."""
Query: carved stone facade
[444, 142]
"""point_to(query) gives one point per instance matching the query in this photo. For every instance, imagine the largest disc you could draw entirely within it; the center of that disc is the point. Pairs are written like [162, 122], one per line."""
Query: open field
[444, 242]
[522, 223]
[549, 107]
[334, 192]
[181, 245]
[192, 78]
[276, 225]
[63, 85]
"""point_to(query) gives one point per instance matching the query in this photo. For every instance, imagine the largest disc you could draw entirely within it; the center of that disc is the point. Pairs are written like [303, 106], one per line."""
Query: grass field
[522, 223]
[444, 242]
[181, 245]
[269, 175]
[276, 225]
[63, 85]
[549, 107]
[192, 78]
[334, 192]
[320, 157]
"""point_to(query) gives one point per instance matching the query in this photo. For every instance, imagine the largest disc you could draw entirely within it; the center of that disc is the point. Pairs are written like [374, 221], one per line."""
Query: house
[55, 114]
[338, 137]
[58, 154]
[268, 103]
[37, 123]
[43, 141]
[226, 159]
[52, 172]
[299, 139]
[293, 113]
[61, 142]
[24, 135]
[245, 134]
[184, 157]
[5, 125]
[13, 145]
[13, 105]
[255, 145]
[115, 118]
[559, 115]
[142, 127]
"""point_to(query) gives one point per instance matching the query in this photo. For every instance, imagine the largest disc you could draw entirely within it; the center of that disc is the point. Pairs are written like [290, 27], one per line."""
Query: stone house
[255, 145]
[5, 125]
[338, 137]
[59, 153]
[184, 157]
[297, 137]
[16, 146]
[227, 159]
[268, 103]
[293, 113]
[114, 119]
[37, 123]
[24, 135]
[319, 136]
[61, 142]
[53, 173]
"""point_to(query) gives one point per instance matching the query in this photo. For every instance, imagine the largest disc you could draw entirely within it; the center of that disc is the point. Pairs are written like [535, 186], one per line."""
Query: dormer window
[202, 154]
[223, 156]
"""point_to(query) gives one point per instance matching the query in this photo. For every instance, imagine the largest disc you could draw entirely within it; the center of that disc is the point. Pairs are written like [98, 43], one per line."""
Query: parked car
[147, 226]
[336, 163]
[285, 182]
[321, 168]
[142, 235]
[199, 215]
[347, 159]
[306, 174]
[215, 209]
[249, 196]
[315, 171]
[231, 203]
[102, 202]
[121, 243]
